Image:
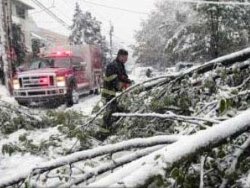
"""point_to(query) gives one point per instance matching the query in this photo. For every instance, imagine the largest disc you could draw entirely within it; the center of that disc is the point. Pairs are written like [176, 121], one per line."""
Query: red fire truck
[60, 76]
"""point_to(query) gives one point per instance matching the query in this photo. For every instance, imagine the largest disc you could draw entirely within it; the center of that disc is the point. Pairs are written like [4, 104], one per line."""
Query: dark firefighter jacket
[115, 76]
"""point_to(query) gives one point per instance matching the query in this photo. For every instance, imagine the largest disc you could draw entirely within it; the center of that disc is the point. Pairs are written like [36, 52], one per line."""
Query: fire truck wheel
[97, 91]
[73, 98]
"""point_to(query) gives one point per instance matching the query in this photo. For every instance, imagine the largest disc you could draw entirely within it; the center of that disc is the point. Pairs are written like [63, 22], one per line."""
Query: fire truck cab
[60, 76]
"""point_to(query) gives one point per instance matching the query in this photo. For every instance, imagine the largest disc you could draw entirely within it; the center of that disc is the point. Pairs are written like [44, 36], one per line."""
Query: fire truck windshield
[38, 64]
[55, 62]
[59, 62]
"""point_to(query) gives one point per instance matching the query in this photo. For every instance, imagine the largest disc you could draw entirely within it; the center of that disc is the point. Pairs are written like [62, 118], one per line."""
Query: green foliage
[68, 121]
[155, 181]
[161, 105]
[10, 149]
[225, 105]
[27, 145]
[184, 176]
[18, 44]
[13, 121]
[36, 45]
[66, 118]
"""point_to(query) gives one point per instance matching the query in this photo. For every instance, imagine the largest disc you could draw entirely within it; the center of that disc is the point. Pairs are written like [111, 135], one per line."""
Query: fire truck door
[78, 71]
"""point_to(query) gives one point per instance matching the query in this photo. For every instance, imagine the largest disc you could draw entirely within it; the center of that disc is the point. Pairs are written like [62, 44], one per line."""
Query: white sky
[125, 23]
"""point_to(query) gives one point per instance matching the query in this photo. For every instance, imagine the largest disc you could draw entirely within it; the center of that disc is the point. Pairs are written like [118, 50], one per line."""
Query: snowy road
[86, 104]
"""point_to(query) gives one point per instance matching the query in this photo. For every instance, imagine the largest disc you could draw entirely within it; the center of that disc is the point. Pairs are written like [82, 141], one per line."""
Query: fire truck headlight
[16, 84]
[60, 80]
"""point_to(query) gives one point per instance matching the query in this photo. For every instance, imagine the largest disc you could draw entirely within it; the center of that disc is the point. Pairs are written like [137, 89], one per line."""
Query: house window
[20, 12]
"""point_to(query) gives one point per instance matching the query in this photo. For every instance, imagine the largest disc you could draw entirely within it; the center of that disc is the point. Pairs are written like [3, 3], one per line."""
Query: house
[30, 29]
[51, 39]
[20, 17]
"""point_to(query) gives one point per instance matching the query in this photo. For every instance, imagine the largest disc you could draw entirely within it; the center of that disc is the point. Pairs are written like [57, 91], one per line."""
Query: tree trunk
[5, 18]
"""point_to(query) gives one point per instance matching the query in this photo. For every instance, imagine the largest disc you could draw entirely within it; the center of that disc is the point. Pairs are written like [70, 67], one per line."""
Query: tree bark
[5, 21]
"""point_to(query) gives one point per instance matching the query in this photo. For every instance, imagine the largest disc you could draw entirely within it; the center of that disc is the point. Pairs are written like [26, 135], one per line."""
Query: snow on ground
[12, 166]
[9, 165]
[248, 181]
[4, 95]
[13, 138]
[86, 104]
[139, 74]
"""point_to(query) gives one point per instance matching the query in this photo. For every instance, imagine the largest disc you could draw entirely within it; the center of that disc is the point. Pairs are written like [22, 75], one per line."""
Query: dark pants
[107, 117]
[1, 76]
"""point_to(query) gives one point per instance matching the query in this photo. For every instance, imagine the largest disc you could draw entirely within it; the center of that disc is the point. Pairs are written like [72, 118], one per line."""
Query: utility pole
[5, 33]
[111, 35]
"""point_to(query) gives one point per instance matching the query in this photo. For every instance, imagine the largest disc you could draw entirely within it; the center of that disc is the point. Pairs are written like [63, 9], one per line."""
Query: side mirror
[74, 68]
[51, 63]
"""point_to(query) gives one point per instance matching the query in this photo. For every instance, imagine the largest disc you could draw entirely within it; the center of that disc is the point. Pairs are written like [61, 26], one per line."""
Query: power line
[213, 2]
[116, 8]
[36, 12]
[68, 19]
[50, 7]
[55, 17]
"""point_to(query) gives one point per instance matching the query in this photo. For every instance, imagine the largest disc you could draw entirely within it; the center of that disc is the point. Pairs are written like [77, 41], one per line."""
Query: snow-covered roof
[34, 35]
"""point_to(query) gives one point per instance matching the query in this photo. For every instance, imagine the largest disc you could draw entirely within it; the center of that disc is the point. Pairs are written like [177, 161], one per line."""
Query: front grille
[36, 81]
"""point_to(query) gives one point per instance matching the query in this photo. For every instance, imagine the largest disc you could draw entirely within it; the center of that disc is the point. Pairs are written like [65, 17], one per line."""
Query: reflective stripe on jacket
[115, 74]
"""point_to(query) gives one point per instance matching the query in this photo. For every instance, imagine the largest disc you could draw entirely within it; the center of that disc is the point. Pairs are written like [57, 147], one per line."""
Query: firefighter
[115, 80]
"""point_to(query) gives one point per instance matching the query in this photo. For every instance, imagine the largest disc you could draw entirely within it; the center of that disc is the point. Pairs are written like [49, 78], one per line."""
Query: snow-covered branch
[202, 171]
[116, 163]
[155, 81]
[226, 60]
[87, 154]
[170, 116]
[19, 110]
[158, 162]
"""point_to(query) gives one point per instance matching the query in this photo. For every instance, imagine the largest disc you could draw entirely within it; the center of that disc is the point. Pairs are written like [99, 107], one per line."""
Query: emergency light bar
[61, 53]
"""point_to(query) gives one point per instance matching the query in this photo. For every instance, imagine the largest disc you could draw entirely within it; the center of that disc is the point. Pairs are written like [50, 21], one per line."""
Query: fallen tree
[166, 105]
[88, 154]
[227, 60]
[159, 162]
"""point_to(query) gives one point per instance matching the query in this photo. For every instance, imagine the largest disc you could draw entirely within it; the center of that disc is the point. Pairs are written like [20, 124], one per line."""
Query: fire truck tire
[72, 98]
[97, 91]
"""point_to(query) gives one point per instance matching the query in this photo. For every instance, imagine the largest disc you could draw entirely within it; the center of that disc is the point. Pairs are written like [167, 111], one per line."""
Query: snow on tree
[18, 45]
[79, 23]
[151, 39]
[86, 29]
[191, 32]
[216, 31]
